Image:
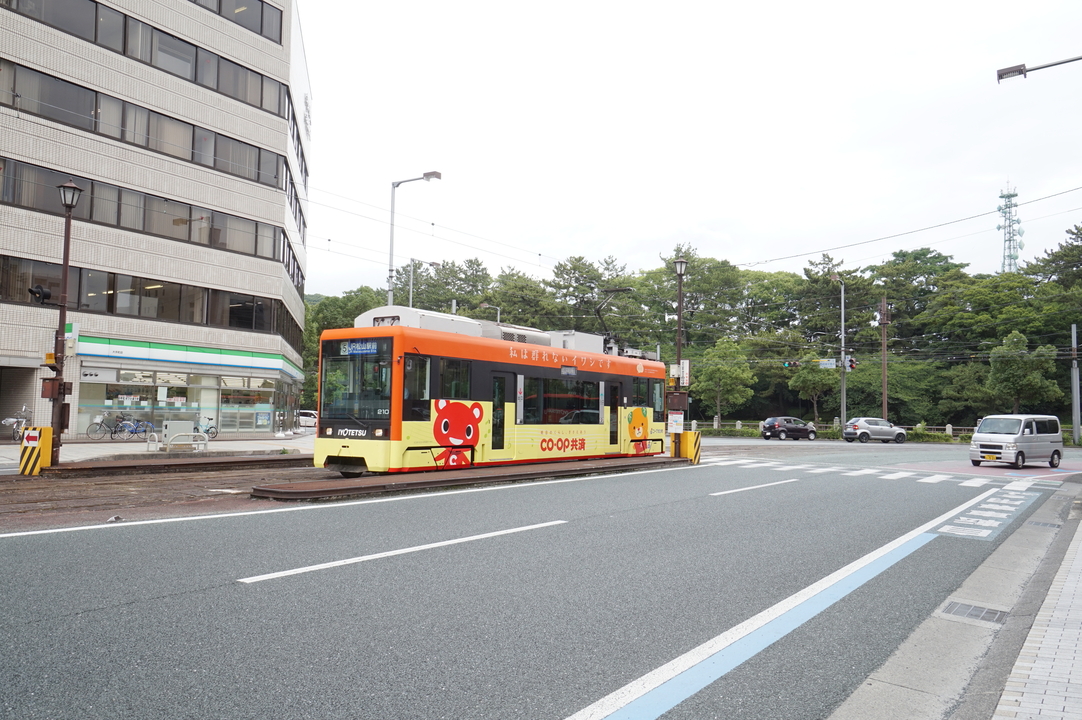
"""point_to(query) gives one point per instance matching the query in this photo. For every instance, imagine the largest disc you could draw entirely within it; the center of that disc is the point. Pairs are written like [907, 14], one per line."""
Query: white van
[1017, 439]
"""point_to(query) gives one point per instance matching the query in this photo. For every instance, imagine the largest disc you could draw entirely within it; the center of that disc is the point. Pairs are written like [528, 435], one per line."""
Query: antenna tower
[1012, 234]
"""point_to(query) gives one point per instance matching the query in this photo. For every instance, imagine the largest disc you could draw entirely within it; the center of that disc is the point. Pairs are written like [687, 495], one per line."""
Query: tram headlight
[379, 432]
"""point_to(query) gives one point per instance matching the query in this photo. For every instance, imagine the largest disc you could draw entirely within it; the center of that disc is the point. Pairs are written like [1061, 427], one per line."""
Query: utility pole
[837, 278]
[1074, 384]
[884, 320]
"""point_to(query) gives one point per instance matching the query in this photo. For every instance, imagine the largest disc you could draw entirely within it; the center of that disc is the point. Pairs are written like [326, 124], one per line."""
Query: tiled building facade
[186, 124]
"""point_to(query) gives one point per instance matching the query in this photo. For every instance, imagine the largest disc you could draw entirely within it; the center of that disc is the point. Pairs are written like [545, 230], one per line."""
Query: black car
[784, 426]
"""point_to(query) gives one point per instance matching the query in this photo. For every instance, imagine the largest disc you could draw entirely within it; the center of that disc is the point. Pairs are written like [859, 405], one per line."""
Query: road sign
[830, 364]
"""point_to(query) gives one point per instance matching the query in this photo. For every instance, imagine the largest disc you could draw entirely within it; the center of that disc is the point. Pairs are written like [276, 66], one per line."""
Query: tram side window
[415, 399]
[454, 379]
[640, 392]
[559, 401]
[657, 399]
[531, 401]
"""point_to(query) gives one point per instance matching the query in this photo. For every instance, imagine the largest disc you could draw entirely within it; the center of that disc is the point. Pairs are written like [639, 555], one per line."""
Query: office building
[187, 126]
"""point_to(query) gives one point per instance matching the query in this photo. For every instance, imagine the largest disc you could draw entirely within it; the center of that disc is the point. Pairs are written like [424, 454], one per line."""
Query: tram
[409, 390]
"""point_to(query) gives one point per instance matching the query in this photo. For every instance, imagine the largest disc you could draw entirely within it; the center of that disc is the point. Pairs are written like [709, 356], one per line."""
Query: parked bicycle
[208, 428]
[18, 422]
[119, 427]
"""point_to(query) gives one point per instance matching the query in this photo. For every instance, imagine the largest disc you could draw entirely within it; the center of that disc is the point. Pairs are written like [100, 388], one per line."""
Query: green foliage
[956, 343]
[723, 378]
[731, 432]
[1017, 374]
[811, 381]
[920, 435]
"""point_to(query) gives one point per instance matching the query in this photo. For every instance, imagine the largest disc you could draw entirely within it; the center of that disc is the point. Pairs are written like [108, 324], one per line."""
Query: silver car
[866, 428]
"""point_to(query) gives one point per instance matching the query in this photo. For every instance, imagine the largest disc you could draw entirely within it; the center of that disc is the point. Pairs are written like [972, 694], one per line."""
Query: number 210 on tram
[408, 390]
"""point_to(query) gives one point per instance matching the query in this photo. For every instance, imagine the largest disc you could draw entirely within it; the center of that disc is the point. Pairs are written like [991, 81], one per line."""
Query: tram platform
[367, 484]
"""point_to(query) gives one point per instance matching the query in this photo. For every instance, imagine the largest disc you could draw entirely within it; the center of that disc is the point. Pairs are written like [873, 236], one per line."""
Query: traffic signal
[785, 364]
[852, 363]
[40, 294]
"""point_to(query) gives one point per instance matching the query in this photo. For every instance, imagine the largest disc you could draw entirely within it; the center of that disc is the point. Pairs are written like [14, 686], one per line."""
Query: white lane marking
[975, 482]
[732, 462]
[791, 467]
[897, 475]
[392, 553]
[228, 491]
[935, 478]
[1018, 485]
[755, 487]
[861, 472]
[760, 465]
[826, 470]
[336, 506]
[635, 689]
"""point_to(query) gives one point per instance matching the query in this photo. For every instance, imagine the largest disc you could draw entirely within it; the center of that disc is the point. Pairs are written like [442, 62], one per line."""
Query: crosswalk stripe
[935, 478]
[975, 482]
[790, 467]
[897, 475]
[860, 472]
[825, 470]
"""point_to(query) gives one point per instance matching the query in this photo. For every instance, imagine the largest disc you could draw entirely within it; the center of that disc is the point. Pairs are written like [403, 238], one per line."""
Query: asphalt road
[540, 600]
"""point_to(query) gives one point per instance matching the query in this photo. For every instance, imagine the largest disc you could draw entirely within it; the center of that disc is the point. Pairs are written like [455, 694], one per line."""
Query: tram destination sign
[359, 347]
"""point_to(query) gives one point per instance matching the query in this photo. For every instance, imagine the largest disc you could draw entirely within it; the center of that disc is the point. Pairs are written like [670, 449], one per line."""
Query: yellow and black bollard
[37, 450]
[691, 446]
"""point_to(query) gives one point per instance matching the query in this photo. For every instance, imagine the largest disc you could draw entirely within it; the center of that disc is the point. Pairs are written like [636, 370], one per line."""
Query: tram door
[614, 391]
[503, 447]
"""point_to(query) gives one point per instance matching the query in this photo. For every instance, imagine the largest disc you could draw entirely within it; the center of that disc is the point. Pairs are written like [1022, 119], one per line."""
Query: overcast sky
[751, 131]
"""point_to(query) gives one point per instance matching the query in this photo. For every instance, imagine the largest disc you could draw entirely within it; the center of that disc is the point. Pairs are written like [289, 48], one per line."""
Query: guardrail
[152, 439]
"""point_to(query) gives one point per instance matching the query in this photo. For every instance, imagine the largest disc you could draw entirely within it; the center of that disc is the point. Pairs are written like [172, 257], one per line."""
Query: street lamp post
[413, 262]
[69, 197]
[837, 278]
[486, 305]
[1016, 70]
[681, 265]
[390, 263]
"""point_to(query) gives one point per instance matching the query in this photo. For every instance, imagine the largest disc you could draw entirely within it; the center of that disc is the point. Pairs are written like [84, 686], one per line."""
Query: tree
[1017, 373]
[330, 312]
[723, 378]
[965, 397]
[811, 381]
[1063, 265]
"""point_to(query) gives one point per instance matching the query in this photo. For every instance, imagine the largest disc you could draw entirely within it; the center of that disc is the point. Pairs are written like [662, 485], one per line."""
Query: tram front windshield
[356, 380]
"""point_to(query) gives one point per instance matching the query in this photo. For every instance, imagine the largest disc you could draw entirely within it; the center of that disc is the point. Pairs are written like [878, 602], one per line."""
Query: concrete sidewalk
[80, 451]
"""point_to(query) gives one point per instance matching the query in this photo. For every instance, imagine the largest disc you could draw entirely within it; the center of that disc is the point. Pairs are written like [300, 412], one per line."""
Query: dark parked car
[787, 427]
[865, 429]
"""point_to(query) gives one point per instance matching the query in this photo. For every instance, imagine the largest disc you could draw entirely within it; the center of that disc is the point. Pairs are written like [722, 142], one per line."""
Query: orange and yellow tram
[409, 390]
